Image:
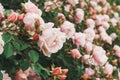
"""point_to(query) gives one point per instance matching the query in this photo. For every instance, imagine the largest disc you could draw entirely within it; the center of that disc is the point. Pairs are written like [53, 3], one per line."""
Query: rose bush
[60, 40]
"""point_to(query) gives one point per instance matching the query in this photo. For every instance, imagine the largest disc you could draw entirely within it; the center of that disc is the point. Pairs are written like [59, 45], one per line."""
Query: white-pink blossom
[5, 76]
[113, 36]
[117, 50]
[90, 23]
[51, 41]
[79, 15]
[98, 53]
[108, 69]
[73, 2]
[89, 71]
[68, 28]
[90, 34]
[88, 47]
[79, 39]
[75, 53]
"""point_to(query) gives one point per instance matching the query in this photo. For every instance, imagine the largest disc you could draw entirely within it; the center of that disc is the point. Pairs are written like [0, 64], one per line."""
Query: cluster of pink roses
[50, 38]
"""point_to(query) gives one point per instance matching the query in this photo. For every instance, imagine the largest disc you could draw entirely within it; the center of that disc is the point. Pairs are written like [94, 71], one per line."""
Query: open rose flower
[79, 39]
[51, 41]
[68, 28]
[79, 15]
[90, 23]
[12, 17]
[5, 76]
[108, 69]
[89, 71]
[32, 8]
[117, 50]
[75, 53]
[98, 53]
[73, 2]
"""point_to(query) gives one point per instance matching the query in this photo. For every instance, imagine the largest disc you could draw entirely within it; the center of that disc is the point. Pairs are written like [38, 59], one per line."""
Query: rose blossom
[108, 69]
[117, 50]
[75, 53]
[98, 53]
[106, 25]
[67, 8]
[32, 8]
[62, 77]
[113, 36]
[88, 47]
[113, 22]
[57, 71]
[51, 41]
[68, 28]
[90, 34]
[1, 44]
[12, 17]
[79, 15]
[30, 19]
[5, 76]
[89, 71]
[90, 23]
[79, 39]
[1, 11]
[73, 2]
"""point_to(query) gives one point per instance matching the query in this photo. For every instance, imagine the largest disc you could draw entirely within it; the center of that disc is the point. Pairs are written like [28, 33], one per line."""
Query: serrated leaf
[16, 45]
[34, 56]
[8, 50]
[6, 37]
[24, 64]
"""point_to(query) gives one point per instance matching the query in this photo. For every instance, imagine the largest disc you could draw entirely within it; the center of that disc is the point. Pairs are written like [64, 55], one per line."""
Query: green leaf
[1, 76]
[8, 50]
[36, 68]
[6, 37]
[16, 45]
[34, 56]
[23, 45]
[24, 64]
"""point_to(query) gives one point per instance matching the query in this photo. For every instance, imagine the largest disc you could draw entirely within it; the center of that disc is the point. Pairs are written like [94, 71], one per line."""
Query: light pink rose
[97, 79]
[79, 15]
[32, 8]
[5, 76]
[30, 19]
[113, 22]
[46, 26]
[90, 23]
[98, 53]
[75, 53]
[113, 36]
[99, 19]
[103, 1]
[1, 43]
[67, 8]
[49, 5]
[79, 39]
[106, 25]
[12, 17]
[73, 2]
[98, 8]
[90, 34]
[88, 47]
[108, 69]
[68, 28]
[106, 18]
[93, 4]
[89, 71]
[51, 41]
[86, 57]
[117, 50]
[1, 11]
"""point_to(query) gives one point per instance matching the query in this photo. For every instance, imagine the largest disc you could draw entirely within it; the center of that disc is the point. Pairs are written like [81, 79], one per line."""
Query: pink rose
[97, 79]
[73, 2]
[90, 23]
[68, 28]
[108, 69]
[1, 43]
[75, 53]
[12, 17]
[117, 50]
[21, 75]
[98, 53]
[67, 8]
[88, 47]
[106, 25]
[113, 21]
[30, 19]
[89, 71]
[1, 11]
[86, 57]
[90, 34]
[62, 77]
[46, 26]
[5, 76]
[32, 8]
[99, 19]
[106, 18]
[57, 71]
[79, 39]
[51, 41]
[113, 36]
[79, 15]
